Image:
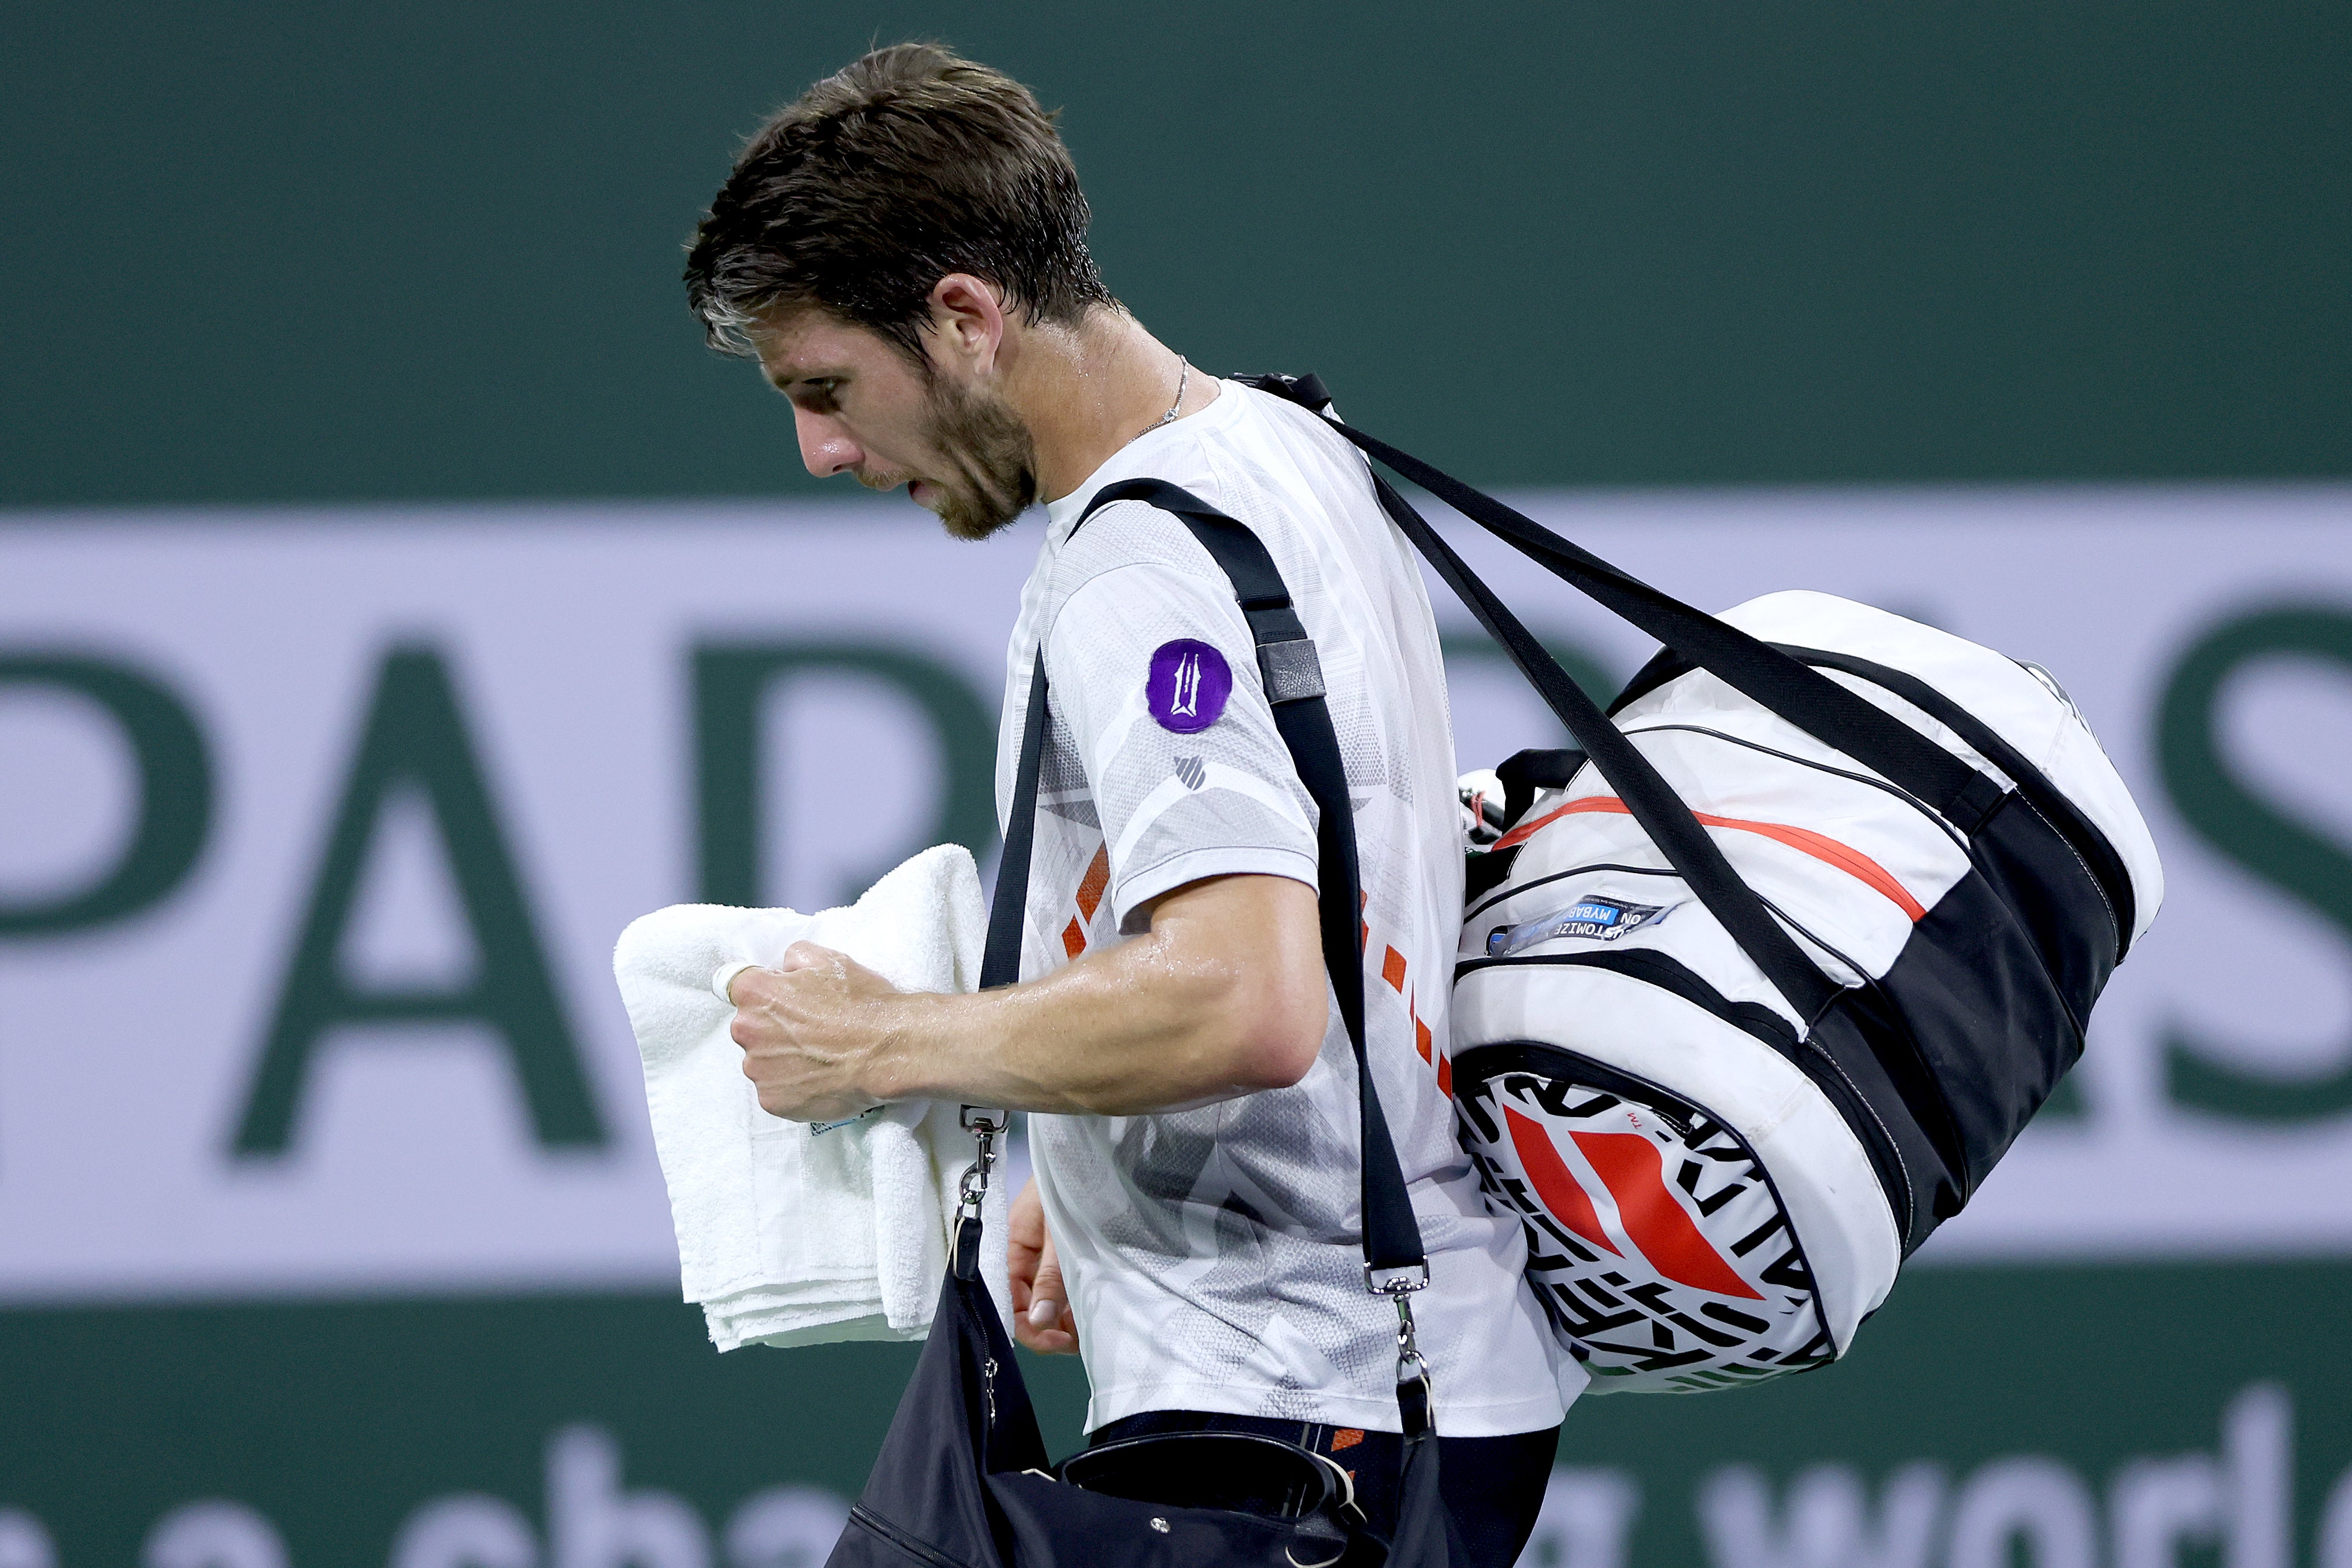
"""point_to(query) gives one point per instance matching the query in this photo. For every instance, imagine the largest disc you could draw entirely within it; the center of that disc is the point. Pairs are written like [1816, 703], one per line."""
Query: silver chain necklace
[1169, 417]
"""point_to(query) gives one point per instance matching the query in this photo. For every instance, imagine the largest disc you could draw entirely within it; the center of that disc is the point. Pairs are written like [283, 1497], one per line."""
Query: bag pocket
[1701, 1287]
[870, 1541]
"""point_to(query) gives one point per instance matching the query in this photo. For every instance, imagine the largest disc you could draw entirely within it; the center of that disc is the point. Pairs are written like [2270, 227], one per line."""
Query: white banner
[316, 830]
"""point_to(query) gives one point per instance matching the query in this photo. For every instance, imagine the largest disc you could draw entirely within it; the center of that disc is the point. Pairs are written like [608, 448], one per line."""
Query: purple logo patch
[1187, 688]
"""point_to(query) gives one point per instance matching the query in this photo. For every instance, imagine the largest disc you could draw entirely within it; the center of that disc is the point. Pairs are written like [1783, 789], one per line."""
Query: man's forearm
[1136, 1028]
[1224, 995]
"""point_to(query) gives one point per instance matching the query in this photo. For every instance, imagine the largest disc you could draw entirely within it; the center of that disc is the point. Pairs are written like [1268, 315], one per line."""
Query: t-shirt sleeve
[1154, 677]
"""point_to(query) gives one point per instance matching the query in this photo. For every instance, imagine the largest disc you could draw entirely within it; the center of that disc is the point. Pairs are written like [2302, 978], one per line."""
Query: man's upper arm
[1155, 676]
[1264, 935]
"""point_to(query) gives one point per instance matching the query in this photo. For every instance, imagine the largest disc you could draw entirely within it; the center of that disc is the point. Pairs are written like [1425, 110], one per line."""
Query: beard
[992, 456]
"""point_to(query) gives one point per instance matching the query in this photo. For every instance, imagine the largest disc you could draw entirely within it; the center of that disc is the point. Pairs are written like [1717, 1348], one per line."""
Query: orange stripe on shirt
[1097, 878]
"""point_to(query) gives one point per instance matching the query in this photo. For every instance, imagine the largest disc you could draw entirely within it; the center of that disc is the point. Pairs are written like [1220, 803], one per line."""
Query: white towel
[784, 1236]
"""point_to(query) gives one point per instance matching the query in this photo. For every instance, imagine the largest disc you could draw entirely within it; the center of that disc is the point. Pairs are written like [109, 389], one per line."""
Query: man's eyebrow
[784, 384]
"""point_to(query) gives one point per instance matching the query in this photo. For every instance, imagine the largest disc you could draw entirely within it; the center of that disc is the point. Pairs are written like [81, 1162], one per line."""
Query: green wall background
[279, 252]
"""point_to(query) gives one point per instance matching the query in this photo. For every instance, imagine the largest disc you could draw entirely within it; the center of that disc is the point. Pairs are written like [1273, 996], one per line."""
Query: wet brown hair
[911, 164]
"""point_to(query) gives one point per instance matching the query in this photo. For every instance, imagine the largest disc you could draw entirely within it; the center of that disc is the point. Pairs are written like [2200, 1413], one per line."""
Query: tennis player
[903, 250]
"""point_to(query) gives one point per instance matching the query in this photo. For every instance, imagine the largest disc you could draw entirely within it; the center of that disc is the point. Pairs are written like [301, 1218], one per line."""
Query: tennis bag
[1758, 985]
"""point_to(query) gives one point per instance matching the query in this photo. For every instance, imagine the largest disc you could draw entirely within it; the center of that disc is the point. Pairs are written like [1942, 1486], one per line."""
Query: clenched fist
[818, 1032]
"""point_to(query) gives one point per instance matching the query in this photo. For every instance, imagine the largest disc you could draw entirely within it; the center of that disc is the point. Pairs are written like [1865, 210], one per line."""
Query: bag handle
[1787, 687]
[1654, 804]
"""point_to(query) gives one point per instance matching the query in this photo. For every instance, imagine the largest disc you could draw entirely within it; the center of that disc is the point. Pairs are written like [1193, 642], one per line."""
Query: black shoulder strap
[1293, 685]
[1395, 1262]
[1000, 961]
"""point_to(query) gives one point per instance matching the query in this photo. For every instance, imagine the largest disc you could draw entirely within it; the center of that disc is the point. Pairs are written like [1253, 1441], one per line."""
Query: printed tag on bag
[1603, 919]
[1187, 685]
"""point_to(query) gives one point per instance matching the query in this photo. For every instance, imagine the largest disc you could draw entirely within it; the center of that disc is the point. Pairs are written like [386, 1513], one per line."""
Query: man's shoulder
[1246, 465]
[1126, 535]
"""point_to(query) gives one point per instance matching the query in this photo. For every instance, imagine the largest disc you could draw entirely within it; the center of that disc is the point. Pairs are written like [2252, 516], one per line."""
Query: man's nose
[825, 446]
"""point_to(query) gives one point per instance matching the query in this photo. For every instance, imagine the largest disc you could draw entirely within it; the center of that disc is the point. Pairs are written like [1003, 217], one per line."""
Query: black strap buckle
[1307, 391]
[1292, 671]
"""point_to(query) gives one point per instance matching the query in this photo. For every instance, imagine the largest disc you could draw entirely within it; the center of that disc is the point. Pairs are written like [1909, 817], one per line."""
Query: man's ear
[968, 323]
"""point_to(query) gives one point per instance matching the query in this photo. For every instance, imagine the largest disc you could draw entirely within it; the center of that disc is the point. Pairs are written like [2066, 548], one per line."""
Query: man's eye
[814, 392]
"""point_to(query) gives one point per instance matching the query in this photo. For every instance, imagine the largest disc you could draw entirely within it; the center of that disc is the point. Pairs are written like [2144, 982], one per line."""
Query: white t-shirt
[1214, 1255]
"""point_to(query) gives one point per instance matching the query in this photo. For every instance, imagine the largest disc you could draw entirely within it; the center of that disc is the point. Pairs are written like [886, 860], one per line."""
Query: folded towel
[785, 1236]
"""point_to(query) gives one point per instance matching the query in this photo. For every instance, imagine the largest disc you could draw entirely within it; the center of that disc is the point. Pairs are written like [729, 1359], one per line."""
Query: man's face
[862, 407]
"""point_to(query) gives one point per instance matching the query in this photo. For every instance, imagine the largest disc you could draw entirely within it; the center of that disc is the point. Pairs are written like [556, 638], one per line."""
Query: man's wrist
[911, 1050]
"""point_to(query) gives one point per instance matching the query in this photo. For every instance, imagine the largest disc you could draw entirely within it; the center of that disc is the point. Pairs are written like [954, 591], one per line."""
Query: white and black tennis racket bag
[1757, 988]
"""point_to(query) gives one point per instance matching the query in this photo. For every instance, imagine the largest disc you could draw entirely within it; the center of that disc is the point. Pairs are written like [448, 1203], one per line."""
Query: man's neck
[1086, 391]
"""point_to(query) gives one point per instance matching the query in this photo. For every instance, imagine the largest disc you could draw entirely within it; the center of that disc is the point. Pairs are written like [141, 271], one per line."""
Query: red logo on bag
[1629, 1166]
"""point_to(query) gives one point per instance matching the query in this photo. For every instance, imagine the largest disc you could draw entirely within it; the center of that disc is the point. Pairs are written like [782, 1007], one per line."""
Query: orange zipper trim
[1820, 847]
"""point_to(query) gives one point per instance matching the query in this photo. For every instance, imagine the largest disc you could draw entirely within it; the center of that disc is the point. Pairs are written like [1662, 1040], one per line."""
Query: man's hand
[1041, 1302]
[813, 1029]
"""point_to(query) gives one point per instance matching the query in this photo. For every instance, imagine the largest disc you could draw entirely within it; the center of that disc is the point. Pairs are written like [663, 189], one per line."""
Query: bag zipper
[1820, 847]
[1500, 894]
[1905, 796]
